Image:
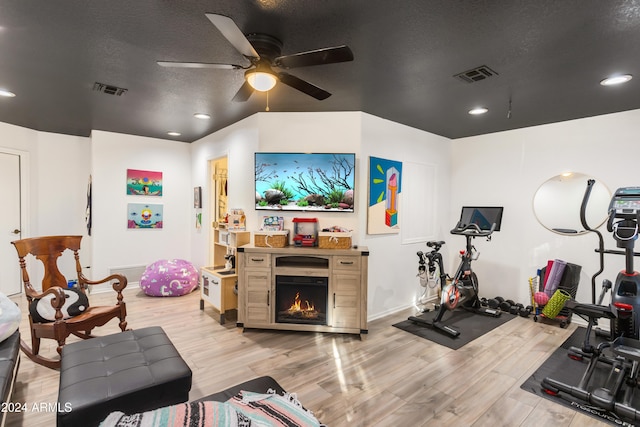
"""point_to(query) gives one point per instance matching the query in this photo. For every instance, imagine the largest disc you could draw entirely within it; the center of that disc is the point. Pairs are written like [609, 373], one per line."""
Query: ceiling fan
[264, 53]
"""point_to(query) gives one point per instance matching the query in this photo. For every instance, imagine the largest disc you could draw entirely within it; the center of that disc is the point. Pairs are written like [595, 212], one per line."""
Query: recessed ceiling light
[202, 116]
[4, 92]
[478, 110]
[616, 80]
[173, 133]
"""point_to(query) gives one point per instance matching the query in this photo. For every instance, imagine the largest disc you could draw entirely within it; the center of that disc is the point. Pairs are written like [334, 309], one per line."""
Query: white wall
[310, 132]
[62, 173]
[392, 265]
[497, 169]
[57, 170]
[114, 245]
[506, 169]
[238, 142]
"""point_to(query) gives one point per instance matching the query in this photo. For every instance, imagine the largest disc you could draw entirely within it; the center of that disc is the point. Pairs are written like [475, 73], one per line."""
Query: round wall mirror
[557, 203]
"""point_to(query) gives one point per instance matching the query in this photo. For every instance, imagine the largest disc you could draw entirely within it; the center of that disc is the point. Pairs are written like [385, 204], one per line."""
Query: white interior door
[9, 223]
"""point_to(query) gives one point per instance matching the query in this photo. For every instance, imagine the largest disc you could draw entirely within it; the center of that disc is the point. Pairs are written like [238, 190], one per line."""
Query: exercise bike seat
[593, 311]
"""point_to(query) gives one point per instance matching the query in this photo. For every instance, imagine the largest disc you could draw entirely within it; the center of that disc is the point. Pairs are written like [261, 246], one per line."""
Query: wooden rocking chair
[48, 249]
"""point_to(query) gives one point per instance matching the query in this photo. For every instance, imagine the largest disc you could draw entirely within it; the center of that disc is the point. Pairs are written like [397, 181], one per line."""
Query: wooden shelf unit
[217, 283]
[346, 270]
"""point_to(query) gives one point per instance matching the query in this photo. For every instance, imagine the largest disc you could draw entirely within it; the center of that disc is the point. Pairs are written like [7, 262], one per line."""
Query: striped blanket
[247, 409]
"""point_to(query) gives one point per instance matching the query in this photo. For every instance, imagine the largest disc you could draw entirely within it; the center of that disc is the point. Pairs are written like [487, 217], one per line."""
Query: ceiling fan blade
[304, 86]
[243, 93]
[328, 55]
[171, 64]
[231, 32]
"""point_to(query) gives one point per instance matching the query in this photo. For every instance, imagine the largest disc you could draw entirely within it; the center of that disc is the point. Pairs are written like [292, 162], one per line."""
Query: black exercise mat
[471, 326]
[560, 367]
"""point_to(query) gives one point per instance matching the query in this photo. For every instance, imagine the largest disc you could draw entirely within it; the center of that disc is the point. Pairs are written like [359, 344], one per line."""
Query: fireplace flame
[309, 311]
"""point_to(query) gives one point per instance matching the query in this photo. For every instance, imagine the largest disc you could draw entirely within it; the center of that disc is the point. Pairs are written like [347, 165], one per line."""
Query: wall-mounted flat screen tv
[305, 181]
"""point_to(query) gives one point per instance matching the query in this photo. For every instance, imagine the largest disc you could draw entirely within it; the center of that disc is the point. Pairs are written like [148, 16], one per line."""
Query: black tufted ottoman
[132, 371]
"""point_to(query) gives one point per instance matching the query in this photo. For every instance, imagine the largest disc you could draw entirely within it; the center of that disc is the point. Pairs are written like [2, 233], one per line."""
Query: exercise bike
[462, 289]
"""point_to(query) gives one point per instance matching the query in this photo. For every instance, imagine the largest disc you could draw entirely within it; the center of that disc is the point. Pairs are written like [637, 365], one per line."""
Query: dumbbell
[495, 302]
[506, 305]
[526, 311]
[515, 309]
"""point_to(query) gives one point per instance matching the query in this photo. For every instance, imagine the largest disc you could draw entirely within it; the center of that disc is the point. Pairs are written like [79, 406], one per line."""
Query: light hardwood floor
[391, 378]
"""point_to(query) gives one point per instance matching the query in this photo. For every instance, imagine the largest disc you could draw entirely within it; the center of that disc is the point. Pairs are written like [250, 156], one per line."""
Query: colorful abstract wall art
[385, 190]
[141, 215]
[144, 183]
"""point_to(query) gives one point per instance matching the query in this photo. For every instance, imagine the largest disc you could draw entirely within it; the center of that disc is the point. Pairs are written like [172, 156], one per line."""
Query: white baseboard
[106, 287]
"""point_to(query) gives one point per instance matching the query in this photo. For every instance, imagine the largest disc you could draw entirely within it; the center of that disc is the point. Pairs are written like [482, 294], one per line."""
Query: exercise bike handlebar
[472, 230]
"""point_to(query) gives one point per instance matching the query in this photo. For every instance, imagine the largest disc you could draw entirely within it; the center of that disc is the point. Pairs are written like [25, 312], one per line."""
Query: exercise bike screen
[483, 217]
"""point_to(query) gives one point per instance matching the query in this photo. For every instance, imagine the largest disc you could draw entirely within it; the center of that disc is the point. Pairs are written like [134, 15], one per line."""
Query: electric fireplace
[301, 299]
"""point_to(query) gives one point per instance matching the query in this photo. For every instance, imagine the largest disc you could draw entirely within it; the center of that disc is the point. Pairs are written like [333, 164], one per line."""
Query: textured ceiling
[549, 56]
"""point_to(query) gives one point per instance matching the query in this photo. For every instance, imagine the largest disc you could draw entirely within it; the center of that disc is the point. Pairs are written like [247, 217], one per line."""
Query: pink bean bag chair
[169, 278]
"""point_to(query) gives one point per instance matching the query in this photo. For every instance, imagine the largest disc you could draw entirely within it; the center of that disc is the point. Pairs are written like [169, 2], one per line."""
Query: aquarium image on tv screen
[305, 181]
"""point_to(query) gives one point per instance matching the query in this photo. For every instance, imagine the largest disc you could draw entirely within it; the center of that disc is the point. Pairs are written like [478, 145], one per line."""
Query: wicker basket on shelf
[334, 240]
[271, 239]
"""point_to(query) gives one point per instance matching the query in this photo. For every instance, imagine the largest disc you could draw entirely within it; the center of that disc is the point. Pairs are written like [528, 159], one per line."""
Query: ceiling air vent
[109, 89]
[476, 74]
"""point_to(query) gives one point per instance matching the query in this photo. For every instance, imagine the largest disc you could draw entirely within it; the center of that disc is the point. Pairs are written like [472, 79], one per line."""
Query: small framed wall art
[197, 197]
[144, 183]
[142, 215]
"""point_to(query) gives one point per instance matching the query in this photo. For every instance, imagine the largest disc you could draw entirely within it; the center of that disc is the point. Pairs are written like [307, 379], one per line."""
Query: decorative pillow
[76, 302]
[10, 316]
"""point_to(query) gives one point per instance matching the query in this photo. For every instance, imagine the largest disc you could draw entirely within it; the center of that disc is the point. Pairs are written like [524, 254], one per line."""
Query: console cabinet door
[345, 288]
[258, 296]
[212, 289]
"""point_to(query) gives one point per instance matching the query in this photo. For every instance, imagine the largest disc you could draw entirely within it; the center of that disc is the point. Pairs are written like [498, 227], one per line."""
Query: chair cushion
[10, 316]
[169, 278]
[76, 302]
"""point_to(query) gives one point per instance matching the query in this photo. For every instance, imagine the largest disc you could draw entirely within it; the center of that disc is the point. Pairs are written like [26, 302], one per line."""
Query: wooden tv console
[346, 270]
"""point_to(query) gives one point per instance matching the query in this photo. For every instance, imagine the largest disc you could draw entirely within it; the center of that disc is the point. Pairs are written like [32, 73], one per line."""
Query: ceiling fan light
[6, 93]
[261, 81]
